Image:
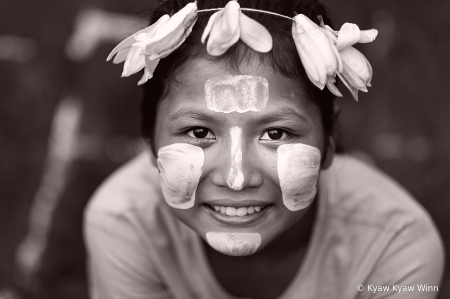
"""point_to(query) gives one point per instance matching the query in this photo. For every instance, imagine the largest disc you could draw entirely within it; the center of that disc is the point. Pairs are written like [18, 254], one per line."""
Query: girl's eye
[201, 133]
[274, 134]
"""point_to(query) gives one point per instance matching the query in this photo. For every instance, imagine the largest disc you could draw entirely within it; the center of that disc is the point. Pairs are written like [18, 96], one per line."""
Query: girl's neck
[295, 237]
[249, 276]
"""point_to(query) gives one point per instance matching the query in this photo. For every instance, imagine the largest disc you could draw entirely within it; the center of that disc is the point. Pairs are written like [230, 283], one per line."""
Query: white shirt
[368, 231]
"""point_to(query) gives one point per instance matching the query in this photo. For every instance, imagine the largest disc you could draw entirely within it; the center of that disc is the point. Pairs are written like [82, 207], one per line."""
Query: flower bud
[357, 69]
[357, 72]
[317, 51]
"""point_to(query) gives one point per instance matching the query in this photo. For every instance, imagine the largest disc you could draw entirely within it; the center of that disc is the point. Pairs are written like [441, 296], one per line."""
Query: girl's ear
[329, 153]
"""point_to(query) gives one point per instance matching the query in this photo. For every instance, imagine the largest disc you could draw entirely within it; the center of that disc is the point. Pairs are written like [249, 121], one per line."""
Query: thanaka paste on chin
[240, 93]
[180, 168]
[298, 170]
[234, 244]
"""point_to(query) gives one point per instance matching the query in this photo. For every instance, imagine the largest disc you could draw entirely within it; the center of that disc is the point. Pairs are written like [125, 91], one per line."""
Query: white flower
[357, 71]
[226, 26]
[350, 34]
[147, 46]
[317, 51]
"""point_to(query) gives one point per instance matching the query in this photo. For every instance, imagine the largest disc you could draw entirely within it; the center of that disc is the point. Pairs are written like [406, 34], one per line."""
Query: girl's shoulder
[355, 190]
[133, 187]
[370, 231]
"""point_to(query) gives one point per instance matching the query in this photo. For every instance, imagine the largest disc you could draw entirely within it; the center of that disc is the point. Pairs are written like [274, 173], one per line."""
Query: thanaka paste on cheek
[236, 178]
[234, 244]
[298, 171]
[180, 168]
[240, 93]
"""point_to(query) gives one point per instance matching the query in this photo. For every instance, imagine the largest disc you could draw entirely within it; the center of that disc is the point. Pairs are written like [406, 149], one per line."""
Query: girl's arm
[118, 266]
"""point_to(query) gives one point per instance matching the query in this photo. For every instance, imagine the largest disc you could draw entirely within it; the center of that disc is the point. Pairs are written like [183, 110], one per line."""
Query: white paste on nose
[180, 168]
[298, 171]
[236, 177]
[235, 244]
[241, 93]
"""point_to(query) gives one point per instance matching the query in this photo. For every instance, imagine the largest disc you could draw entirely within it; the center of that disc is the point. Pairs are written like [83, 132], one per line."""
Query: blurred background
[67, 120]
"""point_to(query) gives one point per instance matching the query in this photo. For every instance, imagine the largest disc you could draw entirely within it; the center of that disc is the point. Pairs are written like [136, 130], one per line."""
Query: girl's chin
[234, 244]
[237, 235]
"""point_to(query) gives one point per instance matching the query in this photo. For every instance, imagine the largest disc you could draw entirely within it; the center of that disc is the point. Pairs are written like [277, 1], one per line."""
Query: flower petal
[356, 70]
[134, 63]
[333, 32]
[137, 66]
[121, 56]
[218, 48]
[254, 34]
[126, 43]
[225, 30]
[348, 36]
[324, 45]
[150, 66]
[369, 67]
[145, 77]
[367, 36]
[334, 59]
[168, 51]
[208, 27]
[332, 88]
[317, 51]
[353, 90]
[354, 80]
[170, 34]
[333, 35]
[309, 56]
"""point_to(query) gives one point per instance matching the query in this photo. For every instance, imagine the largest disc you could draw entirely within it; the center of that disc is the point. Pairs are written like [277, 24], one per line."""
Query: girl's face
[239, 155]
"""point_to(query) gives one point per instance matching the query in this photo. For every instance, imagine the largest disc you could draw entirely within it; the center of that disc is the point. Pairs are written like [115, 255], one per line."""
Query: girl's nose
[237, 169]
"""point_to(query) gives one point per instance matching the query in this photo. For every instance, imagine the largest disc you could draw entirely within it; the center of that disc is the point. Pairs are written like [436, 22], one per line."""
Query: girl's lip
[236, 203]
[237, 220]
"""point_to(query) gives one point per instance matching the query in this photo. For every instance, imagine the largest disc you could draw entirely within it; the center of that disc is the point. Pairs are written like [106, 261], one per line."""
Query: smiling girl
[240, 193]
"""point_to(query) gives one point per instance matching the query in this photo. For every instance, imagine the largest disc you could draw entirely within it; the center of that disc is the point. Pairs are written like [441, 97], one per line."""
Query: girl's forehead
[236, 93]
[253, 88]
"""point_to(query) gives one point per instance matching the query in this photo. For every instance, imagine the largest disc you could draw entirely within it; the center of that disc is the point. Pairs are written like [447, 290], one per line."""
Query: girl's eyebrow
[286, 115]
[187, 112]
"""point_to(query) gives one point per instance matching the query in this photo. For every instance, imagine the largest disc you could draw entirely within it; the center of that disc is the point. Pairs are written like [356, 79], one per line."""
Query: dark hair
[283, 57]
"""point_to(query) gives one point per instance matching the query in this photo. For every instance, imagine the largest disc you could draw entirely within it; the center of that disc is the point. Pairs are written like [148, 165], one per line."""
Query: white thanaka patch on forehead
[298, 171]
[180, 168]
[236, 178]
[240, 93]
[234, 244]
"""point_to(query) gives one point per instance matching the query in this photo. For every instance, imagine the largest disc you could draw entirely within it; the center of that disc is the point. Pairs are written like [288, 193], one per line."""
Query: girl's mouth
[237, 211]
[237, 216]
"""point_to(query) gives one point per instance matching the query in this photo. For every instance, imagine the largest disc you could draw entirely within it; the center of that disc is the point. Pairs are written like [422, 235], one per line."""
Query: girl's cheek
[298, 170]
[234, 244]
[180, 168]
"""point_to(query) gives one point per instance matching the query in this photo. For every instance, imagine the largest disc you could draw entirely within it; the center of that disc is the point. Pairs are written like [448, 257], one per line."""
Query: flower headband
[324, 52]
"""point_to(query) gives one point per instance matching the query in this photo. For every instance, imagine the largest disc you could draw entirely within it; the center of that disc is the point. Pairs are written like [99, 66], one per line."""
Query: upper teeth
[242, 211]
